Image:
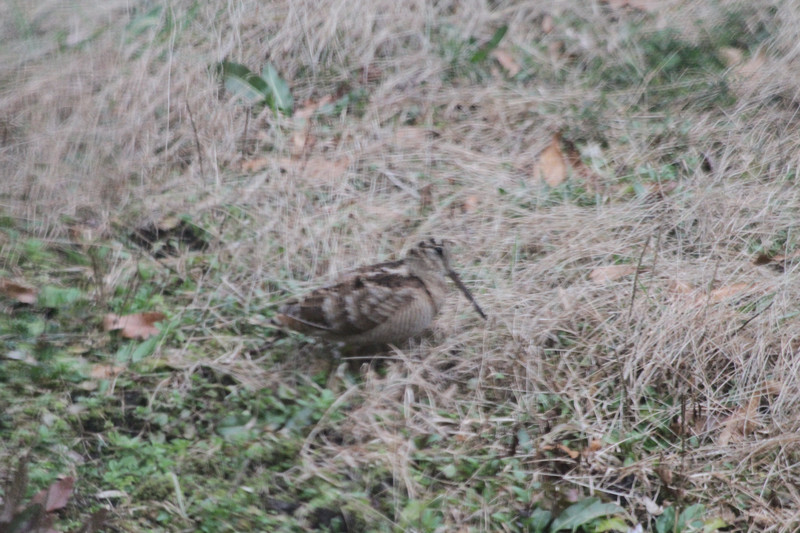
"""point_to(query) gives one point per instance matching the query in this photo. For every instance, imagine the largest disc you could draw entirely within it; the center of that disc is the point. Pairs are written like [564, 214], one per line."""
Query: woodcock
[385, 303]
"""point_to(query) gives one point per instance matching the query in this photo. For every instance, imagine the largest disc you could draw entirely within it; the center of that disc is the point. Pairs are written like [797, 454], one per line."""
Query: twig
[244, 133]
[196, 141]
[740, 328]
[636, 276]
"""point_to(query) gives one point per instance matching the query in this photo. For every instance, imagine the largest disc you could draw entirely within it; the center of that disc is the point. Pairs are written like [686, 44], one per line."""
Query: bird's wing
[355, 305]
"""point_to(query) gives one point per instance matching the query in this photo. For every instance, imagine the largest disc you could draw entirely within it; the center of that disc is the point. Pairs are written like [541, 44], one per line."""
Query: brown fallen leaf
[681, 287]
[665, 474]
[255, 164]
[731, 56]
[551, 166]
[595, 445]
[764, 259]
[606, 274]
[319, 169]
[722, 293]
[573, 454]
[426, 197]
[555, 50]
[136, 326]
[752, 66]
[506, 61]
[56, 496]
[742, 422]
[560, 448]
[410, 137]
[20, 293]
[772, 387]
[659, 191]
[547, 24]
[105, 371]
[573, 158]
[302, 139]
[309, 107]
[470, 203]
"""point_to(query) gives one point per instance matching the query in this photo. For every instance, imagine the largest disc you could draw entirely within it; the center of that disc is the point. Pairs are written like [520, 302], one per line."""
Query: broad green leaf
[278, 94]
[241, 81]
[583, 512]
[484, 51]
[666, 522]
[611, 524]
[715, 524]
[538, 520]
[55, 297]
[692, 515]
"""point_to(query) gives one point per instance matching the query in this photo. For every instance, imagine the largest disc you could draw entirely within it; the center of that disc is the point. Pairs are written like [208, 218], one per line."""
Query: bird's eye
[439, 250]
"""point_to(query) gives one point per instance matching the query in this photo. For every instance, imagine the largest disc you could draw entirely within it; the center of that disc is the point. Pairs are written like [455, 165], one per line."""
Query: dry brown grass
[102, 127]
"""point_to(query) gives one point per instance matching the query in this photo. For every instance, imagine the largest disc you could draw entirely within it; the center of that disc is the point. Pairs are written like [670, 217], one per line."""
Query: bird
[381, 304]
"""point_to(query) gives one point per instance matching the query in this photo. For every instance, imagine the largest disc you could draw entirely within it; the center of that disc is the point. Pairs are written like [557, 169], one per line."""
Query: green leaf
[611, 524]
[715, 524]
[449, 471]
[583, 512]
[484, 51]
[241, 81]
[538, 520]
[55, 297]
[666, 522]
[279, 96]
[692, 516]
[145, 349]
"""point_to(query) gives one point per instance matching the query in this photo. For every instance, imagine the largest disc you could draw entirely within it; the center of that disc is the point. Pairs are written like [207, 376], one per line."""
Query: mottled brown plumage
[380, 304]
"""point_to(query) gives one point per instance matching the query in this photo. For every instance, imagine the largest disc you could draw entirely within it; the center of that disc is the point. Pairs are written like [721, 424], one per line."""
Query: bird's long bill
[463, 288]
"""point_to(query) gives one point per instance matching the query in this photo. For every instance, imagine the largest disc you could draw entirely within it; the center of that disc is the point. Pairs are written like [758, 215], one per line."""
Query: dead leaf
[320, 169]
[731, 56]
[561, 448]
[506, 61]
[573, 454]
[302, 139]
[255, 164]
[56, 496]
[547, 24]
[20, 293]
[316, 168]
[665, 474]
[105, 371]
[470, 203]
[309, 107]
[763, 259]
[773, 387]
[168, 223]
[426, 197]
[555, 50]
[681, 287]
[742, 422]
[606, 274]
[753, 65]
[722, 293]
[410, 137]
[551, 166]
[136, 326]
[659, 191]
[573, 157]
[595, 445]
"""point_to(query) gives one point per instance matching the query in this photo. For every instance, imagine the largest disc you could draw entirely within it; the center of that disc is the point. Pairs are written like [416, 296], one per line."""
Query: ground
[620, 180]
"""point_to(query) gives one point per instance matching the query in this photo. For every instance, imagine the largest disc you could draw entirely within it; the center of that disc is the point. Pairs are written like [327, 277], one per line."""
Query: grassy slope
[673, 396]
